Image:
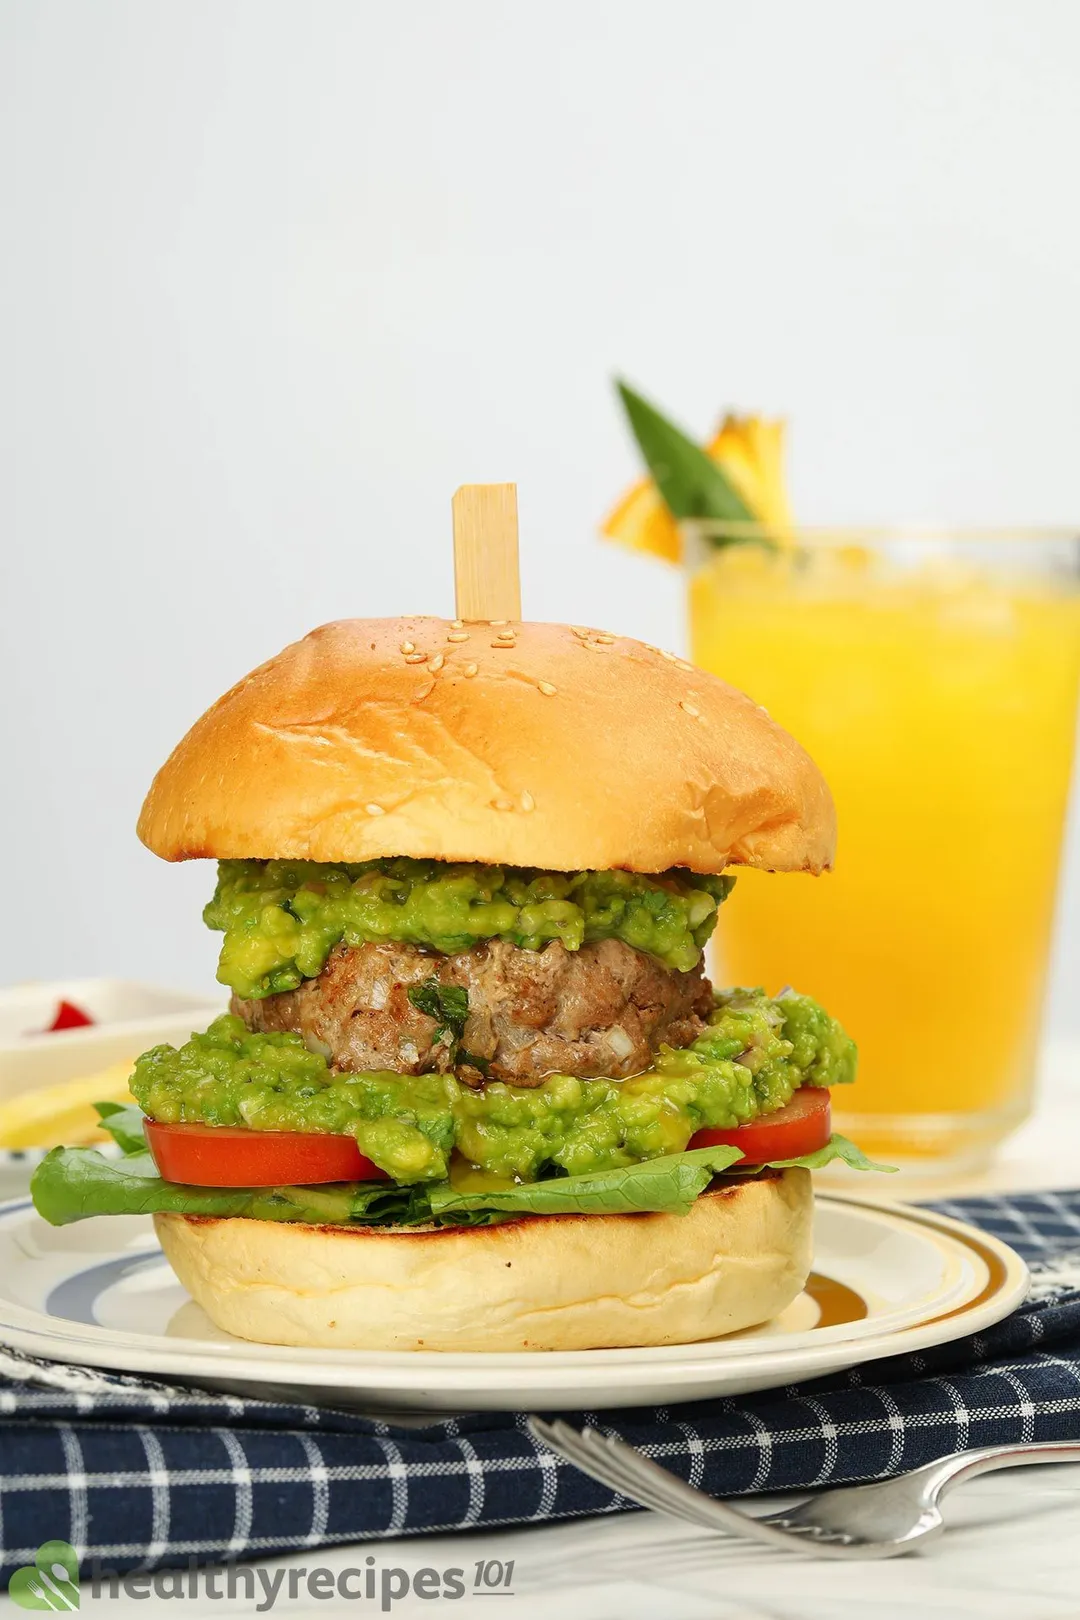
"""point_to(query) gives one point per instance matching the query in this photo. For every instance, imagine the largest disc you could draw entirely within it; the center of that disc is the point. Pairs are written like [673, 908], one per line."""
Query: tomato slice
[68, 1016]
[802, 1127]
[230, 1156]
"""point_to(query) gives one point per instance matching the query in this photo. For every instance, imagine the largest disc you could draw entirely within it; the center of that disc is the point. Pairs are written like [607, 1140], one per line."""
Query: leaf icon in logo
[51, 1582]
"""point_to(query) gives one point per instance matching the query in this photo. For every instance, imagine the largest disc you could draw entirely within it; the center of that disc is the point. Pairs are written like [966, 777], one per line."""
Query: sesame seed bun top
[515, 743]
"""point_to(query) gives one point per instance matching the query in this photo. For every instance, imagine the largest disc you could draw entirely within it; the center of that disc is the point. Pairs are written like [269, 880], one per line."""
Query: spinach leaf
[448, 1004]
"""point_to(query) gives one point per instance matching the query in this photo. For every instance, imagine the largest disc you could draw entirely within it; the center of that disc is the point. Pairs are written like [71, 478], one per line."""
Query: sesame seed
[547, 688]
[415, 658]
[502, 804]
[374, 809]
[605, 640]
[407, 647]
[436, 663]
[527, 801]
[595, 646]
[495, 622]
[580, 632]
[458, 624]
[672, 658]
[469, 671]
[695, 714]
[503, 645]
[458, 635]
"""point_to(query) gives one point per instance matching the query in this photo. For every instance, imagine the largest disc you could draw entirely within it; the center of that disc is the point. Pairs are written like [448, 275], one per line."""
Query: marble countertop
[1009, 1553]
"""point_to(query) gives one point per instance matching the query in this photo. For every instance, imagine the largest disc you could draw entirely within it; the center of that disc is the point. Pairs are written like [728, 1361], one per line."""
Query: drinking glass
[932, 674]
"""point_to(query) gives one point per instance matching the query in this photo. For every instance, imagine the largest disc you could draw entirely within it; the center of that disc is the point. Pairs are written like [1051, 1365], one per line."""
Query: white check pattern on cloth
[142, 1475]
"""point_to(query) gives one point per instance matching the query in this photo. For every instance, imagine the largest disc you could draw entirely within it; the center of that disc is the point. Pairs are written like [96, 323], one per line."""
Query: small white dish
[128, 1019]
[886, 1280]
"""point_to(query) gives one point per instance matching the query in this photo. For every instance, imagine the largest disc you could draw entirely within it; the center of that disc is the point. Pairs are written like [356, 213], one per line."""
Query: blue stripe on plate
[74, 1298]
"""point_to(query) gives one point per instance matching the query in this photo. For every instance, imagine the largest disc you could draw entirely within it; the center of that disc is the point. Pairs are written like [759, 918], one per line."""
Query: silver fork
[880, 1520]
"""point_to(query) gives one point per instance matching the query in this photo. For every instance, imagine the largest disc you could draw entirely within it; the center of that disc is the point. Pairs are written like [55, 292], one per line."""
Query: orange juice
[935, 684]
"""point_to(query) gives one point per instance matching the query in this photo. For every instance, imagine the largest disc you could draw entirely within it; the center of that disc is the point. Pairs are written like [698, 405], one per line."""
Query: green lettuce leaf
[666, 1185]
[124, 1123]
[837, 1147]
[71, 1184]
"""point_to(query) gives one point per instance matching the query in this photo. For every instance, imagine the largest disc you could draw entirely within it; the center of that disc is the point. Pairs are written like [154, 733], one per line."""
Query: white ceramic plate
[886, 1280]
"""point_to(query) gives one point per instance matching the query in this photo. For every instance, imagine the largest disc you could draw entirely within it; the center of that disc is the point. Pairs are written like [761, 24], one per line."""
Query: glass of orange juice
[933, 676]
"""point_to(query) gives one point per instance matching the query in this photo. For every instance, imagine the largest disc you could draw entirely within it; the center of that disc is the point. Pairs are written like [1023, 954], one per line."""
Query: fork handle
[949, 1471]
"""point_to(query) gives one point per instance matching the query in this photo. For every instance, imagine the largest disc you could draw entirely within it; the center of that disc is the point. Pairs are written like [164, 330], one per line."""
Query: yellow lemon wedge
[750, 449]
[64, 1113]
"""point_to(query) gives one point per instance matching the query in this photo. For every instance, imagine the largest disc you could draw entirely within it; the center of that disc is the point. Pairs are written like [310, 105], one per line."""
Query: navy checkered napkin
[136, 1475]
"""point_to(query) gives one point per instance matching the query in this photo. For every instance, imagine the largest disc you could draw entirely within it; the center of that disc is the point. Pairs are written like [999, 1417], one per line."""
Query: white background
[279, 274]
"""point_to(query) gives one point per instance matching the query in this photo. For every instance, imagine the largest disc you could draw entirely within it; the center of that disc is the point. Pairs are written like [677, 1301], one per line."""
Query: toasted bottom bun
[556, 1282]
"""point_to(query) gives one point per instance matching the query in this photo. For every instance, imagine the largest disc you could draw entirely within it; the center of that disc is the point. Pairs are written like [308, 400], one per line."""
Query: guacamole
[281, 919]
[756, 1051]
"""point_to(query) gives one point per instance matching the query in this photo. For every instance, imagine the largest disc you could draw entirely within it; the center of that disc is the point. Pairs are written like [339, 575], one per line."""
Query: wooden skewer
[486, 552]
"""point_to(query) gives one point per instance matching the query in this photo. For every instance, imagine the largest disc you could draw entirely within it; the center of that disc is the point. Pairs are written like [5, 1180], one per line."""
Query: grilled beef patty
[602, 1010]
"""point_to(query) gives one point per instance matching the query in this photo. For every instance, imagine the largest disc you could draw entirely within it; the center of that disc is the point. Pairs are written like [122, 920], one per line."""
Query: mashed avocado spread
[755, 1053]
[281, 919]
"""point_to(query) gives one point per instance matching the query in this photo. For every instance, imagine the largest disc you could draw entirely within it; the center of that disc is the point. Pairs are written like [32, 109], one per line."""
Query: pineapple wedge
[750, 449]
[63, 1114]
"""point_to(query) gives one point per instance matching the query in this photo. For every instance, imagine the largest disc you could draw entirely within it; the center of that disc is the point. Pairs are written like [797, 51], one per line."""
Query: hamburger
[474, 1090]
